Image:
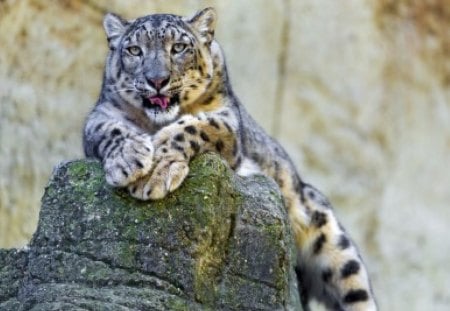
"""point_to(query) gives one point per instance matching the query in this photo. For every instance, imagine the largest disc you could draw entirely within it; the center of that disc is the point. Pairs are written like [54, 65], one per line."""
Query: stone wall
[357, 91]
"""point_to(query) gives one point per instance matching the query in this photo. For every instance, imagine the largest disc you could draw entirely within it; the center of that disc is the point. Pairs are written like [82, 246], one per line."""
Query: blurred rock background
[357, 91]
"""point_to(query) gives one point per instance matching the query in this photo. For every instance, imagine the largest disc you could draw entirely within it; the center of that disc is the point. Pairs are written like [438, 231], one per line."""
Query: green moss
[200, 248]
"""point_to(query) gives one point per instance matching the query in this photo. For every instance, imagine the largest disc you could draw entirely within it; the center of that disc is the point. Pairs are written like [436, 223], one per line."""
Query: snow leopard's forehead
[159, 20]
[159, 27]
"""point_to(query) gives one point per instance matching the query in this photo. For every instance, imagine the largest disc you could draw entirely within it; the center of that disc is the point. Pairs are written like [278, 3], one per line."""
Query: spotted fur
[166, 97]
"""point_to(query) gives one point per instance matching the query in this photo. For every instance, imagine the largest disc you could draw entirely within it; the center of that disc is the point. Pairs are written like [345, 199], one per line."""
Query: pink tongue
[161, 101]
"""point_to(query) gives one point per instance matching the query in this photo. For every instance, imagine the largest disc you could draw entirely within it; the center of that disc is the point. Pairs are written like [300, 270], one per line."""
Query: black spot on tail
[318, 243]
[337, 307]
[350, 268]
[356, 295]
[327, 275]
[318, 219]
[344, 242]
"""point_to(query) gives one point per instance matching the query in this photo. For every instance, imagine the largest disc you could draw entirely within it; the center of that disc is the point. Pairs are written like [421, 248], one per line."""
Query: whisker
[121, 90]
[115, 84]
[112, 88]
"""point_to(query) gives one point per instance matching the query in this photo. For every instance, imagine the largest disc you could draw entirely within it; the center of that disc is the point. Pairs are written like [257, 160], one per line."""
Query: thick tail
[330, 268]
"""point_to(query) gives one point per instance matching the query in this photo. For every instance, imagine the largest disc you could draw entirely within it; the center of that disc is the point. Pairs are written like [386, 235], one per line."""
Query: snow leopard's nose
[157, 82]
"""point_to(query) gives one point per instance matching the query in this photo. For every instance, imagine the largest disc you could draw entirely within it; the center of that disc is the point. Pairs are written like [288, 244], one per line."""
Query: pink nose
[158, 83]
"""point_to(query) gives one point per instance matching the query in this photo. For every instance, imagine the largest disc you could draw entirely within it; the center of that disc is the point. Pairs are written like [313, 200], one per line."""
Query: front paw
[167, 176]
[132, 161]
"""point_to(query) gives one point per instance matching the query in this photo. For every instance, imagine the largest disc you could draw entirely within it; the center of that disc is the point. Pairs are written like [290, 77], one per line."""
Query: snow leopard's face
[160, 63]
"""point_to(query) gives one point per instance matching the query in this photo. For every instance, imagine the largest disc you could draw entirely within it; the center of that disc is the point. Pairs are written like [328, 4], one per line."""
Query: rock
[220, 242]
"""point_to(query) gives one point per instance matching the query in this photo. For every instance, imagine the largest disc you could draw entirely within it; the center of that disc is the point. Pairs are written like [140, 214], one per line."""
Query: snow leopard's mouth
[160, 102]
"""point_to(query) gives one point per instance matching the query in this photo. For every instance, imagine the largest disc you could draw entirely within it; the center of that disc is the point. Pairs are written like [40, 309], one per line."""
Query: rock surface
[218, 243]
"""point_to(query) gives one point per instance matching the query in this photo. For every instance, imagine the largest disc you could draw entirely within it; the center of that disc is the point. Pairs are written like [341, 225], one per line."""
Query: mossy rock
[220, 242]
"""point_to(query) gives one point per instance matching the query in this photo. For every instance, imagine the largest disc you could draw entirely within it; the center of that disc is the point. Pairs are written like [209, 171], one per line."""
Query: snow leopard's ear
[115, 26]
[204, 23]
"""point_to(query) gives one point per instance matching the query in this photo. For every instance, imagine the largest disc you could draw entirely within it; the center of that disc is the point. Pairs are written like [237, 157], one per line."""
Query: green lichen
[219, 242]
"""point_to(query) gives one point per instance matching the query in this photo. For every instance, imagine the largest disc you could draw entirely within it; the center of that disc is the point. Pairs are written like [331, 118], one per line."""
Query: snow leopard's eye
[178, 48]
[134, 50]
